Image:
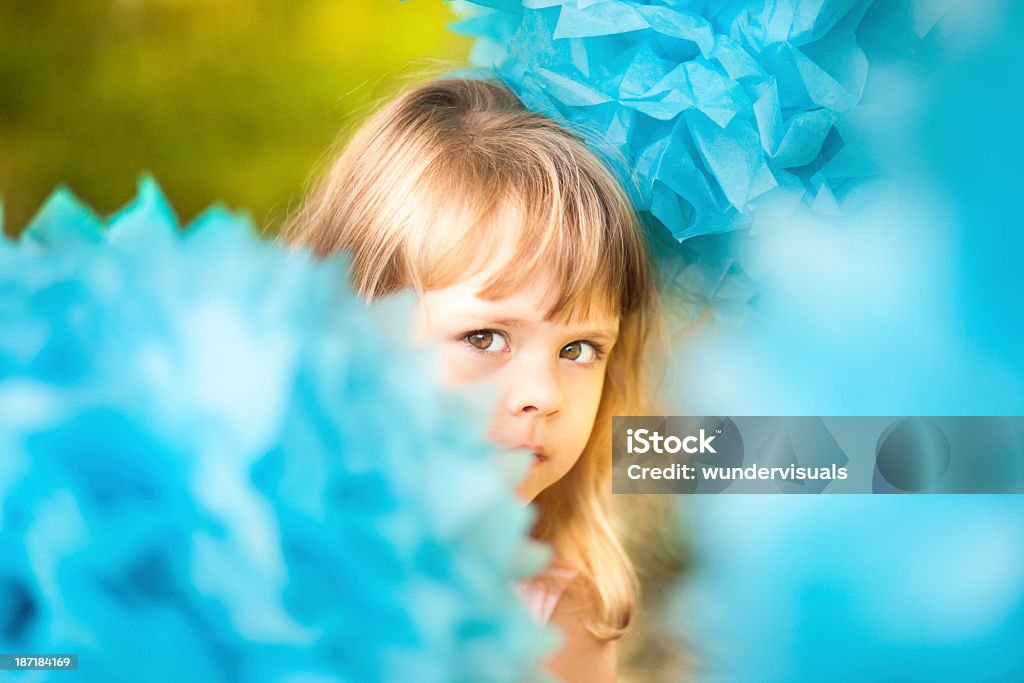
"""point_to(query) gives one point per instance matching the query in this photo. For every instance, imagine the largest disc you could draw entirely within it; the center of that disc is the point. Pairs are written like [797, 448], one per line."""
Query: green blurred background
[222, 100]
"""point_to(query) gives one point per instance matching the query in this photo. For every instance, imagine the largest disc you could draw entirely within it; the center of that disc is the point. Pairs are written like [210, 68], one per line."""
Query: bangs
[456, 179]
[563, 214]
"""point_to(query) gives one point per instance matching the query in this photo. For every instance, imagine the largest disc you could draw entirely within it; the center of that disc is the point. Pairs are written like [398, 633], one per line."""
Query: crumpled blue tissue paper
[218, 464]
[708, 107]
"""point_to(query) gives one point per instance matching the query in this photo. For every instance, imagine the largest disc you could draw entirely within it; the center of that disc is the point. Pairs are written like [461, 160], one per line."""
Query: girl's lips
[536, 449]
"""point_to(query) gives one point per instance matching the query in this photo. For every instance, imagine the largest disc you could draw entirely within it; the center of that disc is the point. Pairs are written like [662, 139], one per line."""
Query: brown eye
[489, 341]
[481, 340]
[581, 352]
[572, 351]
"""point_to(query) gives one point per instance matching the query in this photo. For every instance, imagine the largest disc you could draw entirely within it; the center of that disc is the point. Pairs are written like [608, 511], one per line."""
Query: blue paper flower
[797, 589]
[219, 465]
[712, 106]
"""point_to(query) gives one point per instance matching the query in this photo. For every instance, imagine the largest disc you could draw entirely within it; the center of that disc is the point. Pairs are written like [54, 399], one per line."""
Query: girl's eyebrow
[608, 334]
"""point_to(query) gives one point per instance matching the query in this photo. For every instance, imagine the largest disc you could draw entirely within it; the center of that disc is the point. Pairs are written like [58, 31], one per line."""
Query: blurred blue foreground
[907, 304]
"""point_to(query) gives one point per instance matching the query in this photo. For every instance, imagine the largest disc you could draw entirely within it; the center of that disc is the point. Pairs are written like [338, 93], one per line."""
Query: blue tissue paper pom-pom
[220, 465]
[800, 589]
[714, 106]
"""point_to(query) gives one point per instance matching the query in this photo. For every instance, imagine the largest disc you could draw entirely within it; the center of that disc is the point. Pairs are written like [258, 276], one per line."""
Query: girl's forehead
[528, 304]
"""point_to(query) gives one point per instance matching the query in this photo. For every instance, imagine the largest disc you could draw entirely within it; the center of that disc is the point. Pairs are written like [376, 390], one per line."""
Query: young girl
[532, 272]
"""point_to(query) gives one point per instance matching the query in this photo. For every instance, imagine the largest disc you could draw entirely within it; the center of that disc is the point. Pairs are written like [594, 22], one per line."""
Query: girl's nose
[532, 386]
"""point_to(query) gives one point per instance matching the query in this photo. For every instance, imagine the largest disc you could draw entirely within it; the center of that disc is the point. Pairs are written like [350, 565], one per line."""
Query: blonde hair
[411, 198]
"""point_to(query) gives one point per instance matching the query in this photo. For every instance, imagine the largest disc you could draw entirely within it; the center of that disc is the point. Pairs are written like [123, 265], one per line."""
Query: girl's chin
[532, 483]
[526, 495]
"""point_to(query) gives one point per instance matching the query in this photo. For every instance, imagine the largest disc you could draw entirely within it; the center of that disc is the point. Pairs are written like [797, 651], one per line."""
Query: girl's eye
[490, 341]
[581, 352]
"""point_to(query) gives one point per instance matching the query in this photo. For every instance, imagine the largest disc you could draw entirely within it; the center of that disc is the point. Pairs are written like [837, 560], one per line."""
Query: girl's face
[549, 374]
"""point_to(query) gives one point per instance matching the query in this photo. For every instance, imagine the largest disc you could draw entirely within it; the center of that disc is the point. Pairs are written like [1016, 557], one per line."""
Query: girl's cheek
[459, 366]
[587, 386]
